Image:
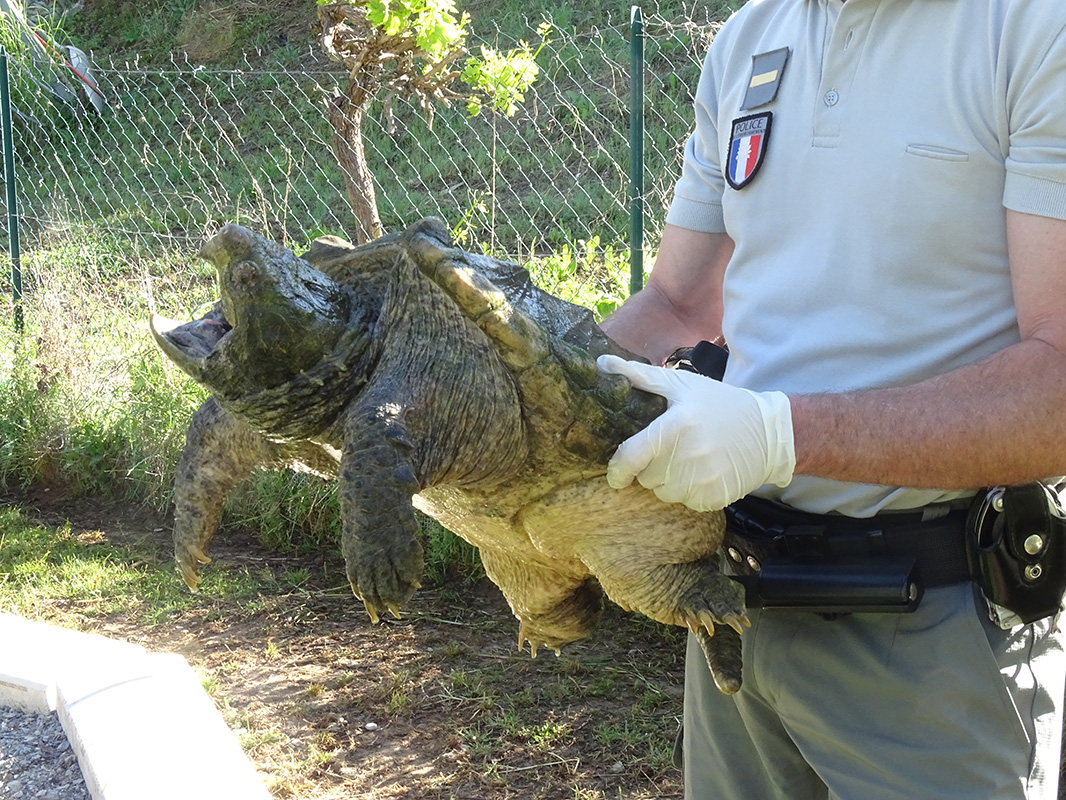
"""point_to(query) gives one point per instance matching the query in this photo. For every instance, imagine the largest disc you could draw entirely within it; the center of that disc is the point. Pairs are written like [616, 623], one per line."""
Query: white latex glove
[713, 445]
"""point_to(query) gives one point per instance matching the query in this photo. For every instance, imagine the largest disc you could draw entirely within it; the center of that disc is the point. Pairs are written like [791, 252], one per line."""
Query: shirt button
[831, 98]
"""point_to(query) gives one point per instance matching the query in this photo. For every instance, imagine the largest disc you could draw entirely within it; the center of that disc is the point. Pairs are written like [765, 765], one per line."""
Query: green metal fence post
[9, 182]
[636, 151]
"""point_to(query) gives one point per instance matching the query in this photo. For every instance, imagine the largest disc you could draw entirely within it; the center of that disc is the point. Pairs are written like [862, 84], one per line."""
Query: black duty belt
[833, 564]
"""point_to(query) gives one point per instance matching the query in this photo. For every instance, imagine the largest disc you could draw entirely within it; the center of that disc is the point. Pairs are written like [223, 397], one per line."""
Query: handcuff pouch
[1016, 547]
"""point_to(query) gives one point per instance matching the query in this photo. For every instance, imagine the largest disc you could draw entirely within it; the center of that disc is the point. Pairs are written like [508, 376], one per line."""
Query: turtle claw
[188, 574]
[371, 610]
[708, 621]
[187, 562]
[522, 639]
[737, 622]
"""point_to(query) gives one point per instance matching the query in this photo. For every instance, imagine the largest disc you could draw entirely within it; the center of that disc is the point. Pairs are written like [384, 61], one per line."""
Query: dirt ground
[439, 704]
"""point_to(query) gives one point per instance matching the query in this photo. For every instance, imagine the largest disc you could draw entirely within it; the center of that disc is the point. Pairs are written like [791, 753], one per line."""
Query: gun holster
[1016, 547]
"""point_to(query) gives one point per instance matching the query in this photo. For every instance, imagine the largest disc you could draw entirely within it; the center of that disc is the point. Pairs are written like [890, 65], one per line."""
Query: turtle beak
[232, 243]
[189, 345]
[193, 346]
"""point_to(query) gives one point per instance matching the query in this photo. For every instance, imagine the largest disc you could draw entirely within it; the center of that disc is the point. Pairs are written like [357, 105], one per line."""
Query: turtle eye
[245, 274]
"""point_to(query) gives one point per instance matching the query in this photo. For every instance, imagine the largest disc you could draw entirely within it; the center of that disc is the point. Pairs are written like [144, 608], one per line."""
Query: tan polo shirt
[869, 219]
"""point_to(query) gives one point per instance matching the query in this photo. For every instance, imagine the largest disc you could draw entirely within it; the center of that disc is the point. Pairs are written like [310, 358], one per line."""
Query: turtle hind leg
[554, 606]
[696, 595]
[571, 619]
[722, 649]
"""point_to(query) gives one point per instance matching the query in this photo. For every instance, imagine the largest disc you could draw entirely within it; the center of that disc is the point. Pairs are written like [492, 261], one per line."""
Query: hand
[713, 445]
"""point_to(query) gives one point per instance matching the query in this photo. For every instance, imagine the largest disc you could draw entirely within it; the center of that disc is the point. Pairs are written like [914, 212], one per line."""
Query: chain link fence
[182, 148]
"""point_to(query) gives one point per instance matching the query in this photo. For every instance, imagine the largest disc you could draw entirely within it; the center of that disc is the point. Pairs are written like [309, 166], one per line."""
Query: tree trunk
[346, 119]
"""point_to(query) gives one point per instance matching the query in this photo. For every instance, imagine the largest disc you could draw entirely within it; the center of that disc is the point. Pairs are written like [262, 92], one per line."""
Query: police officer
[872, 213]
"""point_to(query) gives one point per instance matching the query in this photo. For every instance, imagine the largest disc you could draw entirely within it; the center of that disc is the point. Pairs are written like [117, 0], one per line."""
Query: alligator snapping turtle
[415, 372]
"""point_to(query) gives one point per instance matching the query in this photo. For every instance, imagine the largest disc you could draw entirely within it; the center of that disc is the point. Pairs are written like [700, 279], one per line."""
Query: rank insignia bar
[767, 69]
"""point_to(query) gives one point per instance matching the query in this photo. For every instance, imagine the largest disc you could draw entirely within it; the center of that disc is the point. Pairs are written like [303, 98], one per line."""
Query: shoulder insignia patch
[748, 140]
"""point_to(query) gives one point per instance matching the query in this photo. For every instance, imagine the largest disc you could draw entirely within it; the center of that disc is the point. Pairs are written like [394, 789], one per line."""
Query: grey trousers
[935, 705]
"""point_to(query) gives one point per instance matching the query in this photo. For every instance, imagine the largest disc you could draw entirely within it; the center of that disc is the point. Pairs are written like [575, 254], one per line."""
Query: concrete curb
[140, 723]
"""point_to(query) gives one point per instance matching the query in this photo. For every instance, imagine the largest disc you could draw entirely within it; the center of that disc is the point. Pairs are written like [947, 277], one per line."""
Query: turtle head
[277, 316]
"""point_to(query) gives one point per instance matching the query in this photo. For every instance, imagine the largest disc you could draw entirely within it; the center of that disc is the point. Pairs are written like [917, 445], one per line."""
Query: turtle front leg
[379, 536]
[220, 452]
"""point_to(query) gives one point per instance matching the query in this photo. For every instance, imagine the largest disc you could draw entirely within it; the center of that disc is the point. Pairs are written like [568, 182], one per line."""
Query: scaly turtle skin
[422, 376]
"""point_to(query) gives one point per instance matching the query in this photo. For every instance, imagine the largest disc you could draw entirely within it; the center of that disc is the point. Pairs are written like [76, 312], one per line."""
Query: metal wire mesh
[182, 148]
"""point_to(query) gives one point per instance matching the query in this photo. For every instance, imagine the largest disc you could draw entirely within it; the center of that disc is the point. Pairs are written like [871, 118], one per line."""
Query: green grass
[549, 718]
[44, 570]
[508, 710]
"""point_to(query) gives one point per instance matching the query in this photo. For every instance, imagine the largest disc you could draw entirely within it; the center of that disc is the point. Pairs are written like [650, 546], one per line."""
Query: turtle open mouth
[189, 344]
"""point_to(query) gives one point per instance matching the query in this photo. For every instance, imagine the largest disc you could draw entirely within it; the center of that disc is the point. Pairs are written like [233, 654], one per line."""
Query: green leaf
[504, 78]
[439, 30]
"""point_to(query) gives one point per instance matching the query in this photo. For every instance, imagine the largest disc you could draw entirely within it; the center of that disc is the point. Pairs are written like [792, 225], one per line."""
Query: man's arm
[1001, 420]
[682, 302]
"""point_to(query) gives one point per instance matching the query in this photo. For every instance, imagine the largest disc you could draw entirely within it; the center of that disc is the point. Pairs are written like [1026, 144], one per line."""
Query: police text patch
[748, 140]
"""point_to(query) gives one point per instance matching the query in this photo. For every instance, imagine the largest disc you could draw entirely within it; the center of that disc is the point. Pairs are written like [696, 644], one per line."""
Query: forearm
[682, 302]
[648, 325]
[1001, 420]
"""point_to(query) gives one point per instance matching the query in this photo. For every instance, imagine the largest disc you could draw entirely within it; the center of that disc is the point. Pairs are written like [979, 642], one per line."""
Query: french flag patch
[747, 148]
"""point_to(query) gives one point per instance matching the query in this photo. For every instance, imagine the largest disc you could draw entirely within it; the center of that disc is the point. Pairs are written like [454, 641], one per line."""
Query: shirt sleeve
[697, 202]
[1036, 120]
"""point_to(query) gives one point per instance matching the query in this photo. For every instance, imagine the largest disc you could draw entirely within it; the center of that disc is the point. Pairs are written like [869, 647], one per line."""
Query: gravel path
[36, 760]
